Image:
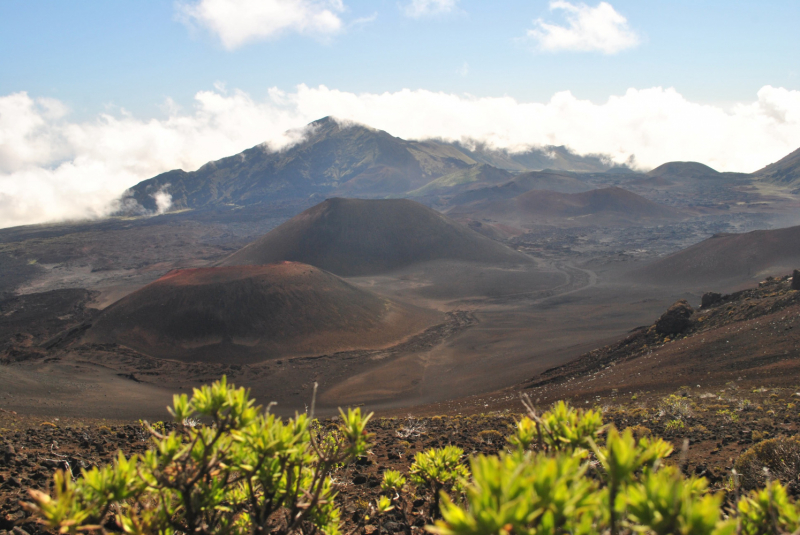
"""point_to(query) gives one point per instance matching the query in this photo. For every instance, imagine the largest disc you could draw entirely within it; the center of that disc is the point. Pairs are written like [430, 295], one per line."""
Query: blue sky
[134, 54]
[96, 96]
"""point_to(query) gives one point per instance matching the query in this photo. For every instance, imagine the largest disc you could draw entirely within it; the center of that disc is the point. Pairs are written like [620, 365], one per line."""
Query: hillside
[534, 180]
[746, 338]
[683, 170]
[337, 159]
[785, 171]
[479, 175]
[606, 206]
[726, 258]
[250, 313]
[353, 237]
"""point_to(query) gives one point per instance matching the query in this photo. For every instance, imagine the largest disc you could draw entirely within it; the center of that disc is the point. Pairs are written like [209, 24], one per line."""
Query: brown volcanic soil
[716, 429]
[606, 207]
[251, 313]
[353, 237]
[751, 337]
[726, 258]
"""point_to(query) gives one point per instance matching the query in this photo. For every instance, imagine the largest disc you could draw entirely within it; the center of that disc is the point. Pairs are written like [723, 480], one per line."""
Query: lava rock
[710, 299]
[676, 320]
[796, 279]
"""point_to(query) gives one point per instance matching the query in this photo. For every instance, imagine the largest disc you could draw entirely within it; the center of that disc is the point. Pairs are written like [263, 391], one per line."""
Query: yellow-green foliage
[674, 425]
[562, 427]
[231, 477]
[251, 473]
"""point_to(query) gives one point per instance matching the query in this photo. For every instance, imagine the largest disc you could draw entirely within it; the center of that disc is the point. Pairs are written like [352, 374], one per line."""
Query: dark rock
[676, 320]
[710, 299]
[19, 531]
[392, 526]
[363, 461]
[359, 480]
[796, 279]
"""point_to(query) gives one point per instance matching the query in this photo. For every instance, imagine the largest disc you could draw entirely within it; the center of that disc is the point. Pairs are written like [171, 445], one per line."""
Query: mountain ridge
[337, 159]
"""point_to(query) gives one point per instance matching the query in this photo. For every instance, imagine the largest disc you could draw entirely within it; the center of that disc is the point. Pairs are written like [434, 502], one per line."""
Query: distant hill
[250, 313]
[606, 206]
[683, 170]
[535, 180]
[353, 237]
[785, 171]
[727, 257]
[341, 159]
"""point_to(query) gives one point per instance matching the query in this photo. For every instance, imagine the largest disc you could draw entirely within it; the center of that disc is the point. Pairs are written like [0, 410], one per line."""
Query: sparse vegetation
[775, 458]
[566, 471]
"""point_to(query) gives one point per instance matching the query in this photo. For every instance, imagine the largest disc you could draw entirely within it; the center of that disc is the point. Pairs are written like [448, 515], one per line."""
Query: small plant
[490, 436]
[676, 407]
[745, 405]
[674, 425]
[560, 428]
[437, 470]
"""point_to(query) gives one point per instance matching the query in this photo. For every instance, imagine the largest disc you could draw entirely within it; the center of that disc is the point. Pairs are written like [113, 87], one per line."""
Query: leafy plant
[247, 472]
[437, 470]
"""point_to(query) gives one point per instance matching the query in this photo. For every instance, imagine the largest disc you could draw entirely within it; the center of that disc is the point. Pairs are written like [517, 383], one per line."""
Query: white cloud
[425, 8]
[463, 71]
[588, 29]
[52, 168]
[237, 22]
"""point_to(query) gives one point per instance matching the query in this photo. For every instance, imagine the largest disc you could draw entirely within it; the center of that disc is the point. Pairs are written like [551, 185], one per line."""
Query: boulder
[796, 279]
[710, 299]
[676, 320]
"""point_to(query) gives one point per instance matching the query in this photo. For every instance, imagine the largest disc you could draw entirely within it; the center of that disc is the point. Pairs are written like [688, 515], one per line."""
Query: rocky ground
[708, 429]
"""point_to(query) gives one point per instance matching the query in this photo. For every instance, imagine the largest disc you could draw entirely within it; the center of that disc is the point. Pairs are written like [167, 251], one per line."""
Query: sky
[96, 96]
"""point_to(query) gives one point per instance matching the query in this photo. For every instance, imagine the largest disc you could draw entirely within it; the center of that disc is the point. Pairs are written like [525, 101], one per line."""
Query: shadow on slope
[352, 237]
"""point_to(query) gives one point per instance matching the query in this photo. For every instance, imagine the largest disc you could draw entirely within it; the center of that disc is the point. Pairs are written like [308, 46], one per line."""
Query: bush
[438, 470]
[490, 436]
[779, 456]
[247, 472]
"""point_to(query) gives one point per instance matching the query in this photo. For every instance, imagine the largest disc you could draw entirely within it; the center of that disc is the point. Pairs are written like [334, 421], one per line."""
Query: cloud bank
[237, 22]
[588, 29]
[52, 168]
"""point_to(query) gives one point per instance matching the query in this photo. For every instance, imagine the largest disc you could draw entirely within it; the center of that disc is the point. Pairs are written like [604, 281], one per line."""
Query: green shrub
[438, 470]
[674, 425]
[561, 428]
[247, 472]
